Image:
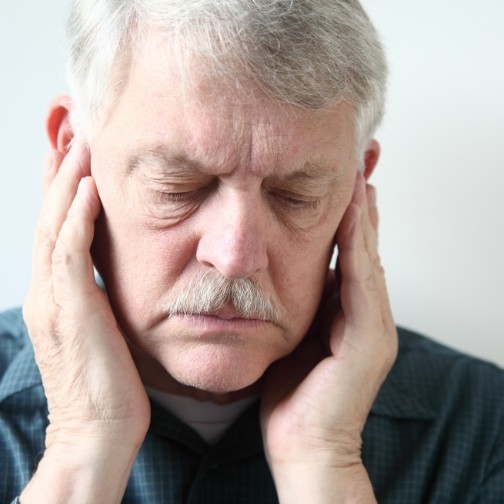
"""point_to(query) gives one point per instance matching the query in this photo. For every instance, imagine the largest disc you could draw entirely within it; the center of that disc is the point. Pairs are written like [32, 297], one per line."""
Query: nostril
[235, 254]
[233, 239]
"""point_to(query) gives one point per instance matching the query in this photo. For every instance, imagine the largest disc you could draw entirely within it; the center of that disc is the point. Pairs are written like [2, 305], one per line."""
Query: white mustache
[209, 292]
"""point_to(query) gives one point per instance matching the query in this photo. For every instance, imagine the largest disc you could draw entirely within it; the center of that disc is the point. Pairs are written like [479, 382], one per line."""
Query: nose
[234, 239]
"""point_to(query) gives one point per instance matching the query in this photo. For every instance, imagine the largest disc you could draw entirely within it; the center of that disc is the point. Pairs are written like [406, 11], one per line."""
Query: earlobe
[371, 157]
[58, 126]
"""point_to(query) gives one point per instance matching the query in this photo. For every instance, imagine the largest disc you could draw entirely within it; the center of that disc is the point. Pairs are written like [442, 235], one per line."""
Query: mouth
[225, 313]
[229, 314]
[222, 319]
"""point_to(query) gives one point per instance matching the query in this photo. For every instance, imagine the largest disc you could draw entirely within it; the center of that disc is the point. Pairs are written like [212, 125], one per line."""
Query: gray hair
[307, 53]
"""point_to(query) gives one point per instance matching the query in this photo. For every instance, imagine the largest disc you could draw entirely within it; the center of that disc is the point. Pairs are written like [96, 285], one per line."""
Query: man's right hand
[98, 408]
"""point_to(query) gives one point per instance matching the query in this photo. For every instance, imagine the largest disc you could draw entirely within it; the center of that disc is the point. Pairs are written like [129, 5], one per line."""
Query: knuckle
[62, 258]
[65, 250]
[40, 313]
[377, 265]
[369, 282]
[44, 235]
[72, 234]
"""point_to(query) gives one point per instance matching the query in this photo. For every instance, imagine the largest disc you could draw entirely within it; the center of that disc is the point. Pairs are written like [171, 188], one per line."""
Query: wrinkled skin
[173, 185]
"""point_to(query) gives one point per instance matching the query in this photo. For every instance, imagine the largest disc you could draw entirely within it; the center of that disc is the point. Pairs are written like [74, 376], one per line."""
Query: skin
[240, 215]
[245, 212]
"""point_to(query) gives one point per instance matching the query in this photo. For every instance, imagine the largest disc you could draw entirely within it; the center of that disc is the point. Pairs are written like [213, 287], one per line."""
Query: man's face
[193, 183]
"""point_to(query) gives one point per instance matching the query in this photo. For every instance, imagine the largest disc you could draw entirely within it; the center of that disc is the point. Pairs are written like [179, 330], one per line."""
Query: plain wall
[440, 179]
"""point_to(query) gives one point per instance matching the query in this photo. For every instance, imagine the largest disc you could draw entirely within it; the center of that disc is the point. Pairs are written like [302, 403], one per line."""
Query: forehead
[184, 111]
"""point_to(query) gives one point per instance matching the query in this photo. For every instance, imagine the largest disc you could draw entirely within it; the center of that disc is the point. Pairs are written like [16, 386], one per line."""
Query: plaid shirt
[435, 435]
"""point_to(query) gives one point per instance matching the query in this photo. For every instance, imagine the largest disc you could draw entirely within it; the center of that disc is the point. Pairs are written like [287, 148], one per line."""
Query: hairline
[368, 105]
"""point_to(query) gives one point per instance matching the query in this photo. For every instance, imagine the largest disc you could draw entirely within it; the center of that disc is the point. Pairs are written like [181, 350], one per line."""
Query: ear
[371, 157]
[58, 127]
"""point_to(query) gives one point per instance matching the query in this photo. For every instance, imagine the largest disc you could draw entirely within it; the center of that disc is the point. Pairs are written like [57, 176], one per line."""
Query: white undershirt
[208, 419]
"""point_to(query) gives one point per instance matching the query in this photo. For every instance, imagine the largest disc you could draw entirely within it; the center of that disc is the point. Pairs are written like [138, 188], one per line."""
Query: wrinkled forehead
[216, 74]
[219, 120]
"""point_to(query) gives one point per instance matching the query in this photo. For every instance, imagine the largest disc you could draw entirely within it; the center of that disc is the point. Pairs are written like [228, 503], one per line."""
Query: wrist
[84, 472]
[323, 484]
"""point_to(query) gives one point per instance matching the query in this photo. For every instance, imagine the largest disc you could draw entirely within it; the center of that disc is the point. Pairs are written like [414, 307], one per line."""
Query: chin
[218, 370]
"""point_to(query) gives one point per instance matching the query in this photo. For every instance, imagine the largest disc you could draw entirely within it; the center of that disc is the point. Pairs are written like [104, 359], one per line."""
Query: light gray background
[440, 180]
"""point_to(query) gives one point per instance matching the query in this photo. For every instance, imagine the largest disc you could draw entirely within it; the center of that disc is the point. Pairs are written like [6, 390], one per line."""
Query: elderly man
[212, 157]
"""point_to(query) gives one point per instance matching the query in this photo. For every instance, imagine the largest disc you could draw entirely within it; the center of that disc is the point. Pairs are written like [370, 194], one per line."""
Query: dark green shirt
[435, 435]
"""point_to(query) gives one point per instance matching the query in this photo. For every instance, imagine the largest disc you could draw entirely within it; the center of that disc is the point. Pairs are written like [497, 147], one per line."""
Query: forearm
[323, 485]
[91, 473]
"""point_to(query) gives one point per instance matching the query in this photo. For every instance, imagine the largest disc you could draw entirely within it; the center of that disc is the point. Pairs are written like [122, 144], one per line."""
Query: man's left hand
[316, 401]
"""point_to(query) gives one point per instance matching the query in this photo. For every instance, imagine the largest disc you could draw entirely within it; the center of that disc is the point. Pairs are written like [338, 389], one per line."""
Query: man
[211, 158]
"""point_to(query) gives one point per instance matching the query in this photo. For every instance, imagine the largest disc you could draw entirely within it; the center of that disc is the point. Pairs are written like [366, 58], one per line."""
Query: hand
[98, 408]
[316, 401]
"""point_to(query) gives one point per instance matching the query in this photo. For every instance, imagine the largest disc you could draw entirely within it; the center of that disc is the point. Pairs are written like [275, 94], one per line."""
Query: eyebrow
[180, 163]
[177, 163]
[312, 171]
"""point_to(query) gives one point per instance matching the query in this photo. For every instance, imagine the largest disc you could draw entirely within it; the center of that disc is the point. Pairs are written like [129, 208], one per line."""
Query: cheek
[299, 274]
[300, 269]
[139, 265]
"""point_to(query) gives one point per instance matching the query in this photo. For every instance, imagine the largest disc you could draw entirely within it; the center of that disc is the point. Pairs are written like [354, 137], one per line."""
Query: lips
[228, 314]
[225, 313]
[228, 319]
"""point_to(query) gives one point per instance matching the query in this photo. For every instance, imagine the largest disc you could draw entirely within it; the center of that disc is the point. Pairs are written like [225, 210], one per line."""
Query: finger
[366, 323]
[356, 199]
[52, 163]
[49, 171]
[369, 230]
[73, 167]
[359, 298]
[373, 209]
[72, 265]
[59, 197]
[370, 226]
[369, 222]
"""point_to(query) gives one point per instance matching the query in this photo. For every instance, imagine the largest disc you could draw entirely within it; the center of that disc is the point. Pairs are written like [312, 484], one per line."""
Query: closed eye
[183, 196]
[294, 202]
[171, 203]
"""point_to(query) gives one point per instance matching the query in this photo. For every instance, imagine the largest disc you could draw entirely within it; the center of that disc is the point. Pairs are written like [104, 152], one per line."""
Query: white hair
[307, 53]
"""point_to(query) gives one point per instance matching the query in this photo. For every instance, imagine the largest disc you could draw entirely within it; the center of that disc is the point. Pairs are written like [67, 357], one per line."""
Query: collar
[240, 441]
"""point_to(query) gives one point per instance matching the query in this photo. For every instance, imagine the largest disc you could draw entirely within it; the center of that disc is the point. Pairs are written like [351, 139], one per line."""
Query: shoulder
[18, 370]
[462, 395]
[13, 337]
[432, 381]
[23, 407]
[434, 369]
[438, 422]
